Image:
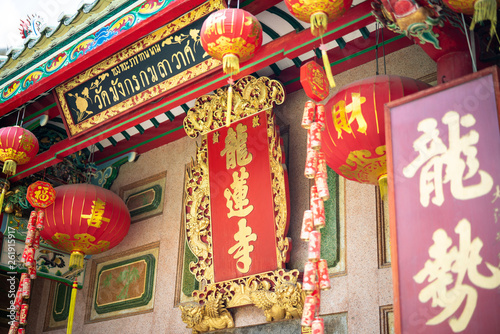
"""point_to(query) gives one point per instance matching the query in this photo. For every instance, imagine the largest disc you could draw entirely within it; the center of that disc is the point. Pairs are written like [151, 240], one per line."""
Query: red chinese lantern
[85, 219]
[232, 35]
[319, 13]
[17, 147]
[481, 10]
[354, 139]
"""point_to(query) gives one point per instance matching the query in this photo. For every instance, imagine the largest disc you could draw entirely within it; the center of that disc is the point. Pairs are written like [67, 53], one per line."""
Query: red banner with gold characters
[444, 197]
[241, 198]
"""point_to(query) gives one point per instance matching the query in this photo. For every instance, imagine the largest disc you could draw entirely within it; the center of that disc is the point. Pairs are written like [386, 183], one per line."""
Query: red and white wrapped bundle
[321, 167]
[323, 276]
[26, 287]
[13, 327]
[314, 248]
[307, 225]
[314, 134]
[21, 330]
[322, 186]
[311, 163]
[317, 326]
[309, 311]
[29, 260]
[36, 240]
[32, 221]
[318, 209]
[30, 236]
[32, 272]
[309, 281]
[308, 116]
[320, 116]
[40, 220]
[313, 196]
[23, 315]
[19, 297]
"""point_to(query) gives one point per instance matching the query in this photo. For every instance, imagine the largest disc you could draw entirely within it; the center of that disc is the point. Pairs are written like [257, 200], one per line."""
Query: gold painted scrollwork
[197, 215]
[250, 95]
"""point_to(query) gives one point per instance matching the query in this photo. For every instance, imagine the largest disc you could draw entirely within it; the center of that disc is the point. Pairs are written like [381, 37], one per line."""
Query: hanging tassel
[72, 306]
[326, 64]
[382, 183]
[231, 64]
[319, 23]
[9, 167]
[2, 196]
[229, 101]
[76, 260]
[485, 10]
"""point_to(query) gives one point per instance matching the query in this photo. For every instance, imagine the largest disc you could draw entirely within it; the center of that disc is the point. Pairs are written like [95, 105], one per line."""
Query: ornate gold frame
[250, 96]
[130, 51]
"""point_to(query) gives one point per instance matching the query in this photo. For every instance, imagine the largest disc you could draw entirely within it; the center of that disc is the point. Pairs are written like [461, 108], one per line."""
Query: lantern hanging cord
[383, 48]
[474, 67]
[376, 47]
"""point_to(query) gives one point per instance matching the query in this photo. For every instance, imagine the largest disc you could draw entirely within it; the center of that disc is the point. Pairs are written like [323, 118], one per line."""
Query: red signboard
[444, 197]
[241, 199]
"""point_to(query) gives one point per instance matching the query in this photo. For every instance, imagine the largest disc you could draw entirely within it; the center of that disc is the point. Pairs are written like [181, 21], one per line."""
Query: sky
[13, 11]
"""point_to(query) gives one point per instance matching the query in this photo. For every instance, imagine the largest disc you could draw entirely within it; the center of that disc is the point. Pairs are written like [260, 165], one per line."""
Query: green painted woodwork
[189, 282]
[330, 238]
[147, 206]
[62, 298]
[126, 277]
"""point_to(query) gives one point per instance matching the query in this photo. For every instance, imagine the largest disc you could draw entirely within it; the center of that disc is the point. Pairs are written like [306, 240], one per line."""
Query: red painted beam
[174, 10]
[288, 46]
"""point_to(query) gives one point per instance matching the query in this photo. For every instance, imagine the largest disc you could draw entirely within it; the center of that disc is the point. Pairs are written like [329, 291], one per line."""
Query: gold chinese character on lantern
[445, 275]
[341, 111]
[95, 218]
[236, 200]
[437, 160]
[42, 193]
[242, 249]
[236, 151]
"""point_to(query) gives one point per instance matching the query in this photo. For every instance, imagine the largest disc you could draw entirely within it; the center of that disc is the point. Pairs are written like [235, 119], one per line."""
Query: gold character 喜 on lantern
[457, 262]
[96, 218]
[242, 249]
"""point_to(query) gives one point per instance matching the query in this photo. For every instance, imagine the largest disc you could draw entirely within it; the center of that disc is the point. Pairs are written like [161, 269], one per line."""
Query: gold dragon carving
[250, 95]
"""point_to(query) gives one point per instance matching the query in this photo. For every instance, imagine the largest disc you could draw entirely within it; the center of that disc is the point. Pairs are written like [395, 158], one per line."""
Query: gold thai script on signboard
[153, 65]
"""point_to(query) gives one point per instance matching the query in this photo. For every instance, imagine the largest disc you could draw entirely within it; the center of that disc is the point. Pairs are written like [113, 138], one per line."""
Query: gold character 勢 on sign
[449, 266]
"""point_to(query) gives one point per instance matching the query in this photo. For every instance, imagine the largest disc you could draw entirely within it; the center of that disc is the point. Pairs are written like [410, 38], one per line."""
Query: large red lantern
[232, 35]
[354, 138]
[17, 147]
[319, 13]
[85, 219]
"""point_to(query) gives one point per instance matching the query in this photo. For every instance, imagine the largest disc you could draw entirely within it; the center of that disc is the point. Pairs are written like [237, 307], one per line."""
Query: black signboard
[155, 64]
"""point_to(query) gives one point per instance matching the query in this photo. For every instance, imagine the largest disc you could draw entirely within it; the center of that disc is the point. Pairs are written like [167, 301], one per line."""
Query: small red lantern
[314, 81]
[319, 13]
[85, 219]
[40, 194]
[354, 142]
[17, 147]
[232, 35]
